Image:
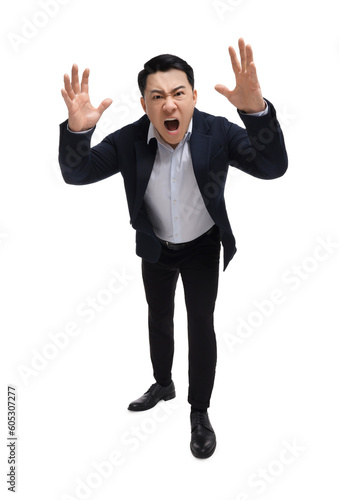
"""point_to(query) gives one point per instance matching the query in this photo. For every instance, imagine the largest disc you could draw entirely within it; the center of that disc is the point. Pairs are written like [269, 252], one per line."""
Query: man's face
[169, 104]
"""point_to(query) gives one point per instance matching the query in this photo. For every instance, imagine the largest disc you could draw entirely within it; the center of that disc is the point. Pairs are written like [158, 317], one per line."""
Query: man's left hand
[246, 96]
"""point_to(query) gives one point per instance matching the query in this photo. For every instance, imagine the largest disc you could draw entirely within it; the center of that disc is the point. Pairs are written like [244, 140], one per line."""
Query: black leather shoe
[203, 441]
[154, 394]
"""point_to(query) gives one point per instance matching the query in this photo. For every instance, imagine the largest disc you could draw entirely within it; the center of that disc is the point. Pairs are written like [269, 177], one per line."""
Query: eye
[179, 93]
[155, 97]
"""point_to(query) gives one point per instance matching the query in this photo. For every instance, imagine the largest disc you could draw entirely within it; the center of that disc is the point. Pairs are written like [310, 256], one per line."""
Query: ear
[195, 97]
[143, 104]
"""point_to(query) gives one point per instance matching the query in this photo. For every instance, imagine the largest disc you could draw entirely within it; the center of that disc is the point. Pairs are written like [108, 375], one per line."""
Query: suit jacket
[215, 143]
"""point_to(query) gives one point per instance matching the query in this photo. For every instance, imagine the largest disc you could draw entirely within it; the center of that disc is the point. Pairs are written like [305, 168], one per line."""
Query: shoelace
[201, 418]
[150, 389]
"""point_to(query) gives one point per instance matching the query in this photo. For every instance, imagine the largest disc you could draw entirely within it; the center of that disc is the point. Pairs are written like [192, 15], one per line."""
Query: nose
[169, 104]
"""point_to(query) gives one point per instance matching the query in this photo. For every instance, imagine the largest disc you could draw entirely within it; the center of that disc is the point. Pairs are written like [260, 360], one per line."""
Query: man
[174, 163]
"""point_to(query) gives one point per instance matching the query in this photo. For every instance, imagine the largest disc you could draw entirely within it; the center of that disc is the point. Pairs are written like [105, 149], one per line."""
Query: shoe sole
[170, 396]
[165, 398]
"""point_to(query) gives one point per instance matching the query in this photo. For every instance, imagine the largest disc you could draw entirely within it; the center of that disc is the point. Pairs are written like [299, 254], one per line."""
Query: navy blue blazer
[215, 143]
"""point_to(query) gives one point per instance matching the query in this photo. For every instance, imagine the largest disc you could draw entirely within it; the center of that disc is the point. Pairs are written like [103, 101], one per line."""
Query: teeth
[170, 119]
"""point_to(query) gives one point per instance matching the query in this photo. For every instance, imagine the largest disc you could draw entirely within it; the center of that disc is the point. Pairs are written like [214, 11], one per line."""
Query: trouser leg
[160, 283]
[200, 276]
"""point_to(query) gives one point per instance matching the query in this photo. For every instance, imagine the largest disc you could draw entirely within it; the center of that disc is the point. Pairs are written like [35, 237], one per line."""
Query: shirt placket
[175, 172]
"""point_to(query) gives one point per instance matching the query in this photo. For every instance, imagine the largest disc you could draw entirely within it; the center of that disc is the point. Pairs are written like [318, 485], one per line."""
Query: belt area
[187, 244]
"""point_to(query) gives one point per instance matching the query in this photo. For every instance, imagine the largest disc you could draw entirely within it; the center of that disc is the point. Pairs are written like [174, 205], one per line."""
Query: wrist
[83, 131]
[255, 109]
[72, 127]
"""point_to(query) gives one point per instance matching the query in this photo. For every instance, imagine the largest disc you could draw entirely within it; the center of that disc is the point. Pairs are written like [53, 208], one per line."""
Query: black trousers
[198, 266]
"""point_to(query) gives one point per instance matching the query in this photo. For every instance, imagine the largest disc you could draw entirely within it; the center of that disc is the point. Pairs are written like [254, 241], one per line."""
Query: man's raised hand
[246, 95]
[81, 114]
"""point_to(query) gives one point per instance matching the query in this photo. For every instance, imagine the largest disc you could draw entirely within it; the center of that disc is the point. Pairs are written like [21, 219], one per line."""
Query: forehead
[166, 80]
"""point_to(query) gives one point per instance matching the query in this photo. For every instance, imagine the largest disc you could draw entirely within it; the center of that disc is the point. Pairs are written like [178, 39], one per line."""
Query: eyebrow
[155, 91]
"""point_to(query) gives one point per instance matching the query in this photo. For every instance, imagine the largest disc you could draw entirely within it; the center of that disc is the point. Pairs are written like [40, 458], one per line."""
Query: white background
[61, 245]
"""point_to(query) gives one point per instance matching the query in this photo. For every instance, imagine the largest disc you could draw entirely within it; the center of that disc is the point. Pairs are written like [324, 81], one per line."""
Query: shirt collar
[153, 133]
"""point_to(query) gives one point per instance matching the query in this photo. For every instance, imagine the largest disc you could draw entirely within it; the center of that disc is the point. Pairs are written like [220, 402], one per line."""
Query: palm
[81, 114]
[247, 94]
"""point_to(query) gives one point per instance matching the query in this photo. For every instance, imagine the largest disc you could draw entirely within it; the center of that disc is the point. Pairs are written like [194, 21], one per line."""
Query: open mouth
[172, 124]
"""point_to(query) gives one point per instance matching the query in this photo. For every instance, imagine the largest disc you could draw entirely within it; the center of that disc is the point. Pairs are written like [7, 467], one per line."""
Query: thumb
[104, 105]
[223, 90]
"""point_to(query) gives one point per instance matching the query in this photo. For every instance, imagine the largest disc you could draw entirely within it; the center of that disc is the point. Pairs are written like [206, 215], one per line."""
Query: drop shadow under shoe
[154, 394]
[203, 440]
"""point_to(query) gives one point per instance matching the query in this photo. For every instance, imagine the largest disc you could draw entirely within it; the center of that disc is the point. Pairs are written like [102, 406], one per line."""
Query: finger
[249, 55]
[68, 86]
[67, 99]
[252, 71]
[222, 89]
[242, 50]
[234, 60]
[75, 79]
[84, 81]
[104, 105]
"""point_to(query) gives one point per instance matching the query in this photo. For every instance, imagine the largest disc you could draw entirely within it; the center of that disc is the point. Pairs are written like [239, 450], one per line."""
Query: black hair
[164, 62]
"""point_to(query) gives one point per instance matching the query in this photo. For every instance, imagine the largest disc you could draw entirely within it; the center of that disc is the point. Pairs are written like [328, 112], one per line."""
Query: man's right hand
[81, 114]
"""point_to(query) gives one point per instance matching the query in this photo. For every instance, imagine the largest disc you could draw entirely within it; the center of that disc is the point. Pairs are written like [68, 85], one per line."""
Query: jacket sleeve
[81, 164]
[260, 149]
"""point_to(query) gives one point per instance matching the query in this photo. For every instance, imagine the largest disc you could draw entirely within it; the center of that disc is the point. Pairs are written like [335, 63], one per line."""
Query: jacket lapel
[201, 144]
[145, 156]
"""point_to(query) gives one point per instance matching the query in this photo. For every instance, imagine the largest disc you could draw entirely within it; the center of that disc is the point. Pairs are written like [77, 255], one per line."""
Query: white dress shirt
[173, 200]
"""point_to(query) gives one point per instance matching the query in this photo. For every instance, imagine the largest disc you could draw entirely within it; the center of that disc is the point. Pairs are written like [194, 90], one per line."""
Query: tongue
[172, 125]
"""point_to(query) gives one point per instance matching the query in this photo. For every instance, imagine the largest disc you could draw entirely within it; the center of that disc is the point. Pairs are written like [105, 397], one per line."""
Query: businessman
[174, 161]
